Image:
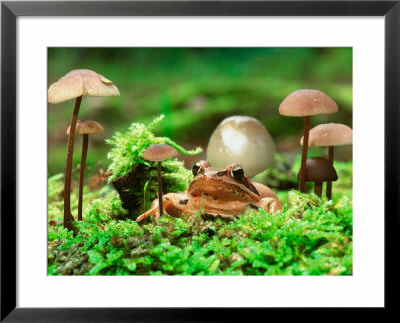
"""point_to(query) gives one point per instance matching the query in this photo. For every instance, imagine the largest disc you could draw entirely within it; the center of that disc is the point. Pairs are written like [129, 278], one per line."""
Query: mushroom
[330, 134]
[76, 84]
[241, 140]
[305, 103]
[158, 153]
[84, 127]
[319, 170]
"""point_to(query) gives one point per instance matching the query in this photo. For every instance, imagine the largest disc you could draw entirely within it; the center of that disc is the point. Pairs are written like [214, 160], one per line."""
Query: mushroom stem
[329, 184]
[160, 202]
[68, 168]
[304, 154]
[318, 188]
[82, 173]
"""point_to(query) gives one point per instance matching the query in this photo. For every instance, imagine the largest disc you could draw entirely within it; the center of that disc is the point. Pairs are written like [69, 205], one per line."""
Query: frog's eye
[196, 168]
[237, 173]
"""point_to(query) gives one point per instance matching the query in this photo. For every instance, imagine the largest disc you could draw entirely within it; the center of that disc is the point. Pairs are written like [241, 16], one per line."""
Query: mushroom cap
[241, 140]
[319, 170]
[159, 152]
[84, 127]
[79, 83]
[307, 102]
[330, 134]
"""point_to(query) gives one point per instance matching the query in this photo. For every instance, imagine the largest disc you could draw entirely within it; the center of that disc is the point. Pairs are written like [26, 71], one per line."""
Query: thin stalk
[318, 188]
[82, 173]
[68, 168]
[329, 184]
[160, 203]
[303, 169]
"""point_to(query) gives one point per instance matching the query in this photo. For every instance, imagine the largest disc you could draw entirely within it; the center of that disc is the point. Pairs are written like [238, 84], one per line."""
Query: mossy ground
[310, 236]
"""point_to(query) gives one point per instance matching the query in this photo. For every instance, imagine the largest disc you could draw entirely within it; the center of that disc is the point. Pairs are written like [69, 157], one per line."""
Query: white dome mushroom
[241, 140]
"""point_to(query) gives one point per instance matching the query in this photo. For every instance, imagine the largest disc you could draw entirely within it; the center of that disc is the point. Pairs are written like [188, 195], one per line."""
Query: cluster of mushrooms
[75, 85]
[306, 103]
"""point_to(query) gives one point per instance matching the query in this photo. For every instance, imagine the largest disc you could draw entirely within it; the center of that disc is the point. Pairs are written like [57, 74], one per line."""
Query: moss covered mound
[134, 178]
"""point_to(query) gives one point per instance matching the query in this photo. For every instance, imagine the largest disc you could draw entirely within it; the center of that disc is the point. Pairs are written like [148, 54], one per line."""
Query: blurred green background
[196, 88]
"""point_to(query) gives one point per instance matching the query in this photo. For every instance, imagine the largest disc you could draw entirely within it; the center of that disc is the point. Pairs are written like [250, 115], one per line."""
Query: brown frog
[217, 192]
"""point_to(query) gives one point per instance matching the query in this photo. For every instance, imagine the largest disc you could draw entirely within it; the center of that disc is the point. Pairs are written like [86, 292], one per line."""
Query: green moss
[310, 236]
[129, 148]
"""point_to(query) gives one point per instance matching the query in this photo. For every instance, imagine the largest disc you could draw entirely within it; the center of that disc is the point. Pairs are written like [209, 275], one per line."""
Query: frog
[217, 192]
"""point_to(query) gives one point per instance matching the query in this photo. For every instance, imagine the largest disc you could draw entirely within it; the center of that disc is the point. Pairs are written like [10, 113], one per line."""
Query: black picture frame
[11, 10]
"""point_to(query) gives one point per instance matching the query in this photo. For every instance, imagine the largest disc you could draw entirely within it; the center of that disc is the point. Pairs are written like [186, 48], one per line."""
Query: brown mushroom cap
[84, 127]
[159, 152]
[330, 134]
[319, 170]
[79, 83]
[307, 102]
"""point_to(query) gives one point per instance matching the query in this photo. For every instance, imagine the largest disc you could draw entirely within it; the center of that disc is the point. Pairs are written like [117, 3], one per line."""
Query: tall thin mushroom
[158, 153]
[330, 134]
[305, 103]
[84, 127]
[76, 84]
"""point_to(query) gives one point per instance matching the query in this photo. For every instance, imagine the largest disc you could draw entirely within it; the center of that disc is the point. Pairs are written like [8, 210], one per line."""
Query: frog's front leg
[155, 210]
[269, 204]
[172, 205]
